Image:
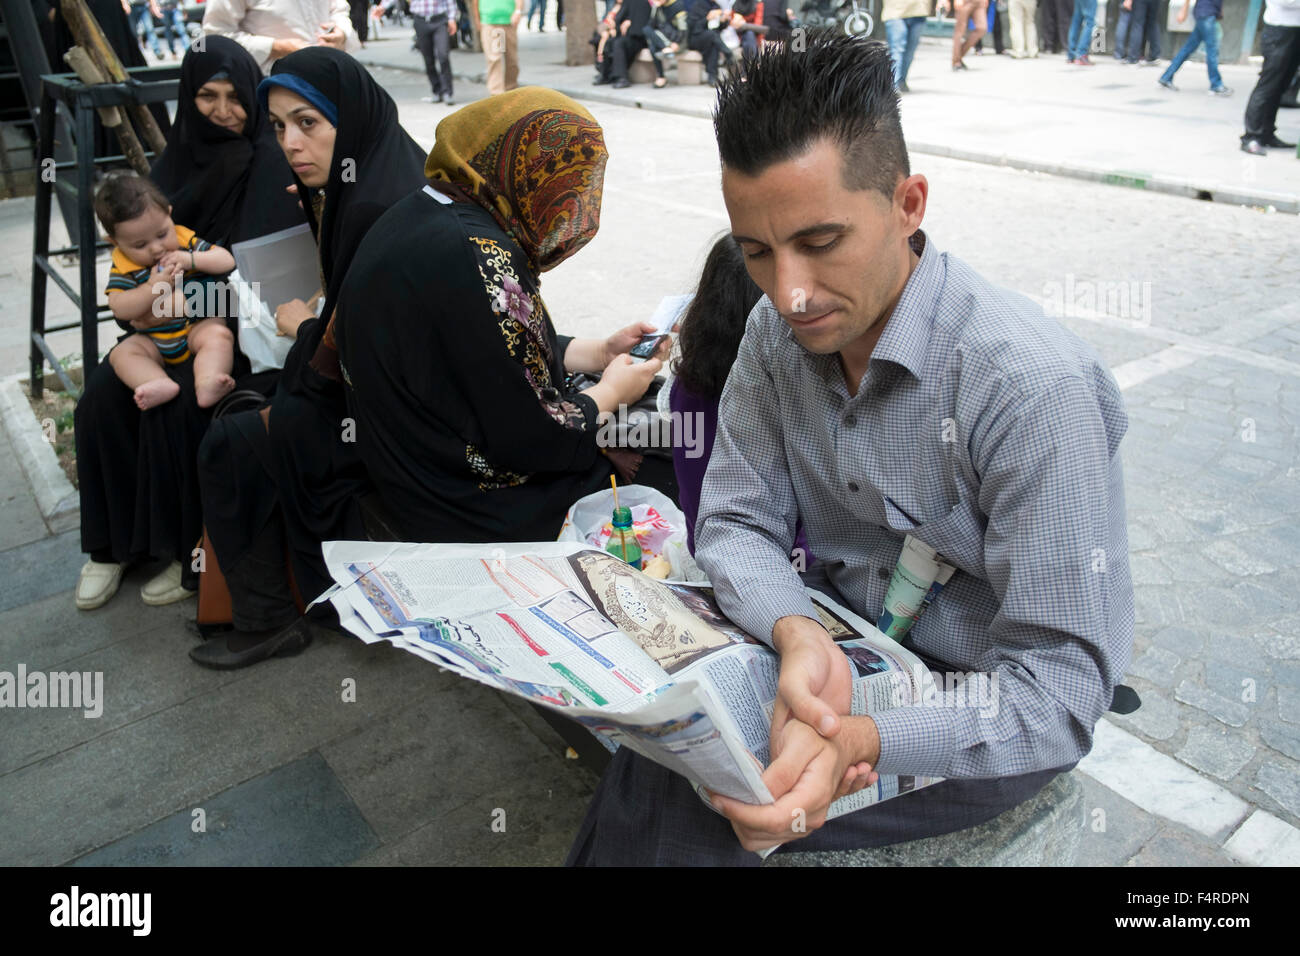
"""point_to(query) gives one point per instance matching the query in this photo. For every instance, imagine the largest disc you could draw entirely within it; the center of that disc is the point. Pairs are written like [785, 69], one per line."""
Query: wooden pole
[111, 116]
[90, 37]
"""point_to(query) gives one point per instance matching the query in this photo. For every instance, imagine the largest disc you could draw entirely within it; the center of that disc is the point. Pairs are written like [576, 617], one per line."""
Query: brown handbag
[214, 608]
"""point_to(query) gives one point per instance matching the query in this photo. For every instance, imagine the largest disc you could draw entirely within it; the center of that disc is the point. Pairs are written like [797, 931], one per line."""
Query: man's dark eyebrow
[821, 229]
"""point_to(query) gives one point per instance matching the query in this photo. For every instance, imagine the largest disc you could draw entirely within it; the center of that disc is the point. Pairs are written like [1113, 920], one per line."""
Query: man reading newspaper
[884, 389]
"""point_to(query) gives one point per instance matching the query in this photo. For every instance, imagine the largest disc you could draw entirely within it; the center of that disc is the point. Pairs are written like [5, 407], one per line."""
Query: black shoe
[621, 84]
[1272, 142]
[601, 81]
[1254, 147]
[236, 649]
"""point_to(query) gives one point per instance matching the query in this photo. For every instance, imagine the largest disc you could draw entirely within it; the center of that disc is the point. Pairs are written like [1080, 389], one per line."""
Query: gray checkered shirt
[987, 431]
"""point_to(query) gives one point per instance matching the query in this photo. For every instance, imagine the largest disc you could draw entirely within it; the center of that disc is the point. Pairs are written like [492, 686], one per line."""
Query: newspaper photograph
[651, 665]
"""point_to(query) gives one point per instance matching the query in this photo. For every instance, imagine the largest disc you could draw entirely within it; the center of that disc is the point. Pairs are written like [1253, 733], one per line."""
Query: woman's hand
[291, 315]
[623, 382]
[625, 339]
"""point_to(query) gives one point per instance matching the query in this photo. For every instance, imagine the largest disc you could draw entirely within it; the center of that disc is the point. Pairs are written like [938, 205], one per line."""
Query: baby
[152, 258]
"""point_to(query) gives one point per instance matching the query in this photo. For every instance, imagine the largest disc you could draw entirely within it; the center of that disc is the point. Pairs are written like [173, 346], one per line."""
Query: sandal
[660, 82]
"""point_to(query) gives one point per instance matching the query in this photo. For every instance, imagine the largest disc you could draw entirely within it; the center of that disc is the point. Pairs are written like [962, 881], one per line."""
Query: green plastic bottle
[622, 542]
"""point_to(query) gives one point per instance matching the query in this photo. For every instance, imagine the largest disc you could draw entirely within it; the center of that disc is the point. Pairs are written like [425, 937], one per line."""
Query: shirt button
[853, 486]
[849, 421]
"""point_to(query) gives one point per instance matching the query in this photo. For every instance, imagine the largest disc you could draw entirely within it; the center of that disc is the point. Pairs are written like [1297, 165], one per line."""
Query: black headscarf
[226, 186]
[383, 163]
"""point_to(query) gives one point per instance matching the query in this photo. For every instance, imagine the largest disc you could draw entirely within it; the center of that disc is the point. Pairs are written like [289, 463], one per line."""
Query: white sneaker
[97, 584]
[165, 588]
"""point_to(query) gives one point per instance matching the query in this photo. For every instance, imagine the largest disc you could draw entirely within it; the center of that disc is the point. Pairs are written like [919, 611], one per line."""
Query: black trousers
[1144, 28]
[434, 44]
[710, 46]
[625, 50]
[1054, 30]
[1281, 49]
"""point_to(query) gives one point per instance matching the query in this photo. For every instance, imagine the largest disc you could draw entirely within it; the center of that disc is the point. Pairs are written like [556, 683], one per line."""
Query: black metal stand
[81, 101]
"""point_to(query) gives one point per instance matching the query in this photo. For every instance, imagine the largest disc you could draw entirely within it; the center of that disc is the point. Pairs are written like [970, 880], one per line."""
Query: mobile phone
[648, 345]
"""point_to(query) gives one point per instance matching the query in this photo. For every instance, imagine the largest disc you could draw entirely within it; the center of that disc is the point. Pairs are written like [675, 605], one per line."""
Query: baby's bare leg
[139, 365]
[214, 354]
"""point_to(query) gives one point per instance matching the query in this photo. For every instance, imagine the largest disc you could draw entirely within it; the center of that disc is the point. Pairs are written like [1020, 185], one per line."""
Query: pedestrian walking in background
[904, 24]
[1280, 44]
[435, 25]
[965, 11]
[500, 26]
[1208, 13]
[142, 15]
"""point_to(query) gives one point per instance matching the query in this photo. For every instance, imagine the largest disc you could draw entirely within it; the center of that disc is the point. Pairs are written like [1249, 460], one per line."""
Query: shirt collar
[906, 337]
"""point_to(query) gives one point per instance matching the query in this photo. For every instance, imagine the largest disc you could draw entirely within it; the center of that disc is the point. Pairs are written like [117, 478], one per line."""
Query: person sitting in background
[666, 32]
[631, 23]
[705, 21]
[271, 29]
[603, 40]
[779, 20]
[904, 24]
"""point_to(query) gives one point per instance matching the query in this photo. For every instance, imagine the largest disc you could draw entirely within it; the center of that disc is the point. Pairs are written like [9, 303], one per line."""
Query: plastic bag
[659, 525]
[257, 332]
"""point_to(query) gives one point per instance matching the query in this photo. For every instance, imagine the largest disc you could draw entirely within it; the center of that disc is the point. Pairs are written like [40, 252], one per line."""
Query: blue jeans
[173, 22]
[1144, 28]
[1206, 31]
[139, 13]
[1080, 39]
[904, 35]
[533, 8]
[1121, 32]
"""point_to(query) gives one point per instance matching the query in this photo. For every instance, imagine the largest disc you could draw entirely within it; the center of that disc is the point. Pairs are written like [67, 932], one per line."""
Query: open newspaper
[650, 665]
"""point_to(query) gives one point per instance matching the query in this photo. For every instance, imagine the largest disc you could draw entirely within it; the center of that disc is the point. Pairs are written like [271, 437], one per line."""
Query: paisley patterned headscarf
[535, 160]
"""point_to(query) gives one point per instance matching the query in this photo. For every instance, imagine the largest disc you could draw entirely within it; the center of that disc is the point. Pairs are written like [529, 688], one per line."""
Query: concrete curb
[57, 500]
[1187, 189]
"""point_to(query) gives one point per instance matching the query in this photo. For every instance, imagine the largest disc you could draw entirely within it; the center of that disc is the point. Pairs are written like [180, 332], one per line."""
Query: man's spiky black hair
[817, 85]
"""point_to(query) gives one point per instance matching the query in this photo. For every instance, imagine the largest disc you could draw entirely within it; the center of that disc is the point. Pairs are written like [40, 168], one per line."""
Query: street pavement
[1191, 303]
